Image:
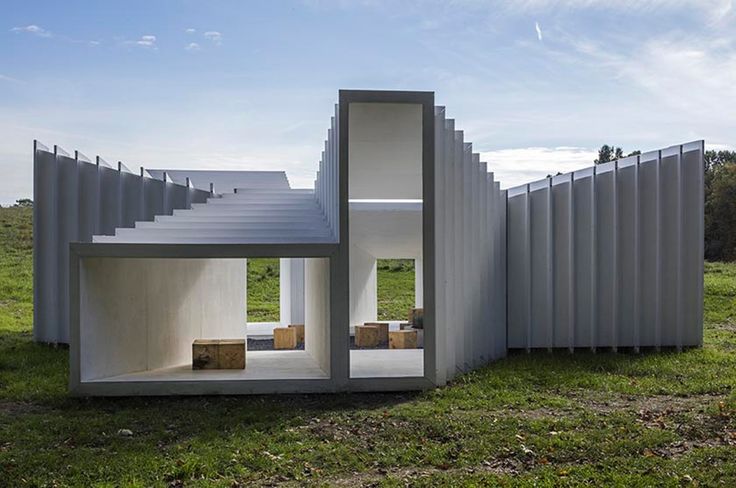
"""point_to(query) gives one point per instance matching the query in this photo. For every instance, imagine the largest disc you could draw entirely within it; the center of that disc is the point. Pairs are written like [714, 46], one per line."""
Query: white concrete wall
[470, 269]
[419, 283]
[363, 286]
[139, 314]
[385, 151]
[75, 199]
[317, 311]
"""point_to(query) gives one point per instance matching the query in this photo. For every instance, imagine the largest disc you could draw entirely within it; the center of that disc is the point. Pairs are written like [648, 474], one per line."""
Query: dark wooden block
[299, 332]
[402, 339]
[366, 336]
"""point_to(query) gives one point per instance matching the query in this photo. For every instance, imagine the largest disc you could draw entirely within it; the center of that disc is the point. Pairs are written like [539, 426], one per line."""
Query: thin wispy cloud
[190, 31]
[147, 41]
[193, 46]
[38, 31]
[213, 36]
[9, 79]
[33, 29]
[518, 166]
[539, 31]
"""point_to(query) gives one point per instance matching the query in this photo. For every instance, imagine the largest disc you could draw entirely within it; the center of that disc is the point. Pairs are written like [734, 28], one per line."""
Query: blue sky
[537, 85]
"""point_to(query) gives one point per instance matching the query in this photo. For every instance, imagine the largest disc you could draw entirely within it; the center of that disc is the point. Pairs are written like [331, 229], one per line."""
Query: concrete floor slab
[386, 363]
[259, 365]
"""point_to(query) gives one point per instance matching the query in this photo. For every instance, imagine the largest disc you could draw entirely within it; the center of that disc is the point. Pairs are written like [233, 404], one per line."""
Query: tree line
[720, 199]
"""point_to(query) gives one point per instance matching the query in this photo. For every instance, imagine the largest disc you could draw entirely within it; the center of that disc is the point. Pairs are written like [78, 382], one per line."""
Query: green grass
[544, 419]
[395, 289]
[263, 290]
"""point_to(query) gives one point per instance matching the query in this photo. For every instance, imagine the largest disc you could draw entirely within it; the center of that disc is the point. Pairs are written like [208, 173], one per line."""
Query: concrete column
[363, 286]
[291, 285]
[418, 282]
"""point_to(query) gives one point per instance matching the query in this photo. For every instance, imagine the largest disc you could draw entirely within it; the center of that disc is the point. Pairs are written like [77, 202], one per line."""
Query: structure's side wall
[317, 310]
[609, 256]
[139, 314]
[75, 199]
[470, 261]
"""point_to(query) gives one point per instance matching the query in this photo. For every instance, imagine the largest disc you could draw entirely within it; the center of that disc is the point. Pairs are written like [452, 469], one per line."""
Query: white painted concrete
[386, 363]
[143, 314]
[385, 144]
[317, 311]
[363, 286]
[291, 291]
[260, 365]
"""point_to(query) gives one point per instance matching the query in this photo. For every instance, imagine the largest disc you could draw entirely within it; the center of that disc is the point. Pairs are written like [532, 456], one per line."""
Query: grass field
[544, 419]
[395, 289]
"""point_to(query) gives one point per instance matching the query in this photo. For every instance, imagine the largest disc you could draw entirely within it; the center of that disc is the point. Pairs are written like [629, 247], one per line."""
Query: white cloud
[33, 29]
[9, 79]
[214, 36]
[688, 73]
[713, 10]
[539, 30]
[518, 166]
[190, 31]
[148, 41]
[193, 46]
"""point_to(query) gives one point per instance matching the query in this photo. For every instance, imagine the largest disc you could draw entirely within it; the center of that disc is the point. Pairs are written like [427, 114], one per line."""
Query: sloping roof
[226, 181]
[246, 217]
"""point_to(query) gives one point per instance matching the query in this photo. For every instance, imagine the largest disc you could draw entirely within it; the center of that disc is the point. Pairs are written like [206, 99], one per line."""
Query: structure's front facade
[137, 266]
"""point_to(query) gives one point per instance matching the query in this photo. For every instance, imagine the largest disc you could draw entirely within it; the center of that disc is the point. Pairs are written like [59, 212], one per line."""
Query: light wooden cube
[402, 339]
[204, 354]
[284, 338]
[231, 354]
[299, 332]
[366, 336]
[382, 331]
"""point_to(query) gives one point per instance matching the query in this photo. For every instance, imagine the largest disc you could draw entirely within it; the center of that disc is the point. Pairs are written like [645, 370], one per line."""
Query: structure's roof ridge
[645, 157]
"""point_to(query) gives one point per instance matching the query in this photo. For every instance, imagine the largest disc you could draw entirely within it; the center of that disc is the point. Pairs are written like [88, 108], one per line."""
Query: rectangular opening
[138, 318]
[385, 158]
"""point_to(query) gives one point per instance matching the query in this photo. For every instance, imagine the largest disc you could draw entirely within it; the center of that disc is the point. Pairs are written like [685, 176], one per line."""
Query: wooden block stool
[366, 336]
[299, 332]
[284, 338]
[402, 339]
[231, 354]
[218, 354]
[204, 354]
[382, 331]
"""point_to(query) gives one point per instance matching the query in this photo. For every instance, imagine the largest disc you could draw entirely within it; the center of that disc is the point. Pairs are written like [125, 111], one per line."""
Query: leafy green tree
[720, 205]
[24, 202]
[610, 153]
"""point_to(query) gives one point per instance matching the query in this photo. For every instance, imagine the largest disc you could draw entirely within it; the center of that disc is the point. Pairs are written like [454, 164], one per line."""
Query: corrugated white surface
[610, 256]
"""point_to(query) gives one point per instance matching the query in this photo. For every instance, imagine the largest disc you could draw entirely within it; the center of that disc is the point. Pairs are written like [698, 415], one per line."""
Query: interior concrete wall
[140, 314]
[363, 286]
[385, 151]
[317, 311]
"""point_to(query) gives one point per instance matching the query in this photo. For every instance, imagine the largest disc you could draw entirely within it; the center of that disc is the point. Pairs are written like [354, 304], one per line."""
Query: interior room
[149, 319]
